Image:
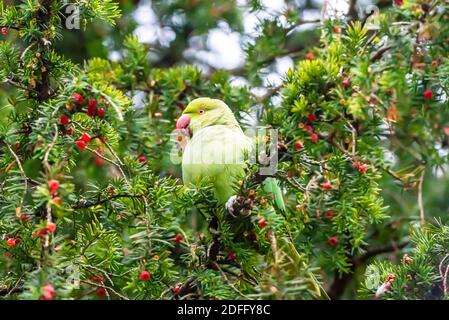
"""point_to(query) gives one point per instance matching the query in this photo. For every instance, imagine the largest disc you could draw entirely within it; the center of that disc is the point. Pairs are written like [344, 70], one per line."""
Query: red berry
[326, 185]
[346, 83]
[4, 31]
[363, 168]
[77, 97]
[86, 137]
[142, 159]
[310, 56]
[176, 289]
[51, 227]
[42, 232]
[434, 63]
[101, 112]
[25, 217]
[99, 161]
[98, 278]
[428, 94]
[64, 120]
[262, 223]
[53, 186]
[232, 255]
[314, 137]
[48, 292]
[101, 292]
[333, 241]
[311, 117]
[399, 3]
[178, 238]
[145, 276]
[11, 242]
[56, 200]
[356, 164]
[336, 29]
[81, 144]
[329, 214]
[308, 128]
[298, 145]
[92, 107]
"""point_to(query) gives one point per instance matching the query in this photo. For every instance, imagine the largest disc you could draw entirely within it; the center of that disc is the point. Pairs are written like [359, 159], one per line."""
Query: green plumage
[217, 148]
[216, 153]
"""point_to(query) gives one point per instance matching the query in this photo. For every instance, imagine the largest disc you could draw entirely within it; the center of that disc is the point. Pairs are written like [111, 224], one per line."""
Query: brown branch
[379, 54]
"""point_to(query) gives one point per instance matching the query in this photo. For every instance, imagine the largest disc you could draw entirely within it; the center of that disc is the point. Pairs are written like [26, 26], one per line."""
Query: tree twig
[25, 178]
[420, 201]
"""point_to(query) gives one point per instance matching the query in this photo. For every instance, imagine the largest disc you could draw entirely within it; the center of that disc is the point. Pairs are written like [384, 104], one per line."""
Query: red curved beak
[183, 122]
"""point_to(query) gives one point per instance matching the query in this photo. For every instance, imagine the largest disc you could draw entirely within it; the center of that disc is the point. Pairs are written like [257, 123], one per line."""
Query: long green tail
[271, 185]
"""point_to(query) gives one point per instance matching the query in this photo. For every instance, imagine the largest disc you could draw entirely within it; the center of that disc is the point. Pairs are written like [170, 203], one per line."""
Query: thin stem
[105, 287]
[99, 155]
[49, 148]
[420, 201]
[25, 178]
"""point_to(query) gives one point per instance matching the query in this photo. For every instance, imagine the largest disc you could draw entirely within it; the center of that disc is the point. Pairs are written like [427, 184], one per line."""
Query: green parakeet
[217, 149]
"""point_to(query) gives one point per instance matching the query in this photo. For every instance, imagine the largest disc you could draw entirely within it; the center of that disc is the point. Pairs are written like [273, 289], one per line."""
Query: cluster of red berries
[4, 31]
[101, 291]
[361, 167]
[309, 129]
[92, 109]
[82, 142]
[50, 227]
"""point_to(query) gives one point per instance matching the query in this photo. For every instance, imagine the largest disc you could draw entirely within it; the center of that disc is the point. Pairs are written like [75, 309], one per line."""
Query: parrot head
[205, 112]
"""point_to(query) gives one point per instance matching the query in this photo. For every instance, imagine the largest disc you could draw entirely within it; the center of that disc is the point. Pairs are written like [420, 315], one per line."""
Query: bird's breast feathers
[217, 145]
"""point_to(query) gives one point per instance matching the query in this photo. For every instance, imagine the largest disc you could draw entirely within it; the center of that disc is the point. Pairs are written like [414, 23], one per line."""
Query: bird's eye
[201, 111]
